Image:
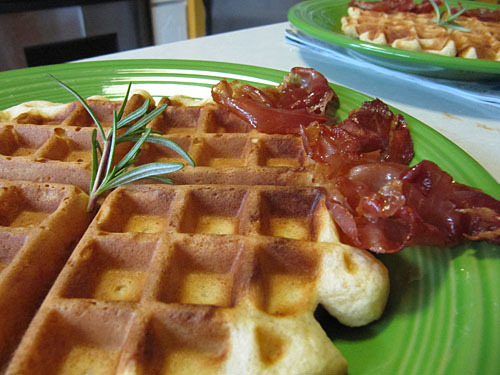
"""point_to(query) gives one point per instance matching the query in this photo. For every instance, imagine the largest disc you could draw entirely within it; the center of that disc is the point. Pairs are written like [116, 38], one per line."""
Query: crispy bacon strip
[377, 201]
[385, 207]
[372, 131]
[482, 14]
[391, 6]
[303, 97]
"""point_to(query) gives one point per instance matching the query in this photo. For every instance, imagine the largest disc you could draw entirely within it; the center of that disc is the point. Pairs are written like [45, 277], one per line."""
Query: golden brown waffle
[483, 42]
[219, 274]
[417, 32]
[203, 279]
[73, 114]
[225, 149]
[40, 225]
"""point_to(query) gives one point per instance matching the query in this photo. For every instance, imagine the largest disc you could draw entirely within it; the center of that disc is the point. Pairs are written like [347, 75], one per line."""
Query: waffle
[417, 32]
[51, 142]
[203, 279]
[218, 274]
[35, 242]
[225, 149]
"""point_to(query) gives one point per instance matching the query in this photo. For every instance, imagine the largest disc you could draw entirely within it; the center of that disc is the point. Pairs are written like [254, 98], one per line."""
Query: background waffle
[203, 279]
[35, 242]
[482, 43]
[417, 32]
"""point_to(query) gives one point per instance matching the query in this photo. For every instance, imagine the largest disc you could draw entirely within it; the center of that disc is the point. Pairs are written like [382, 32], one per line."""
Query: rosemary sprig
[450, 21]
[107, 175]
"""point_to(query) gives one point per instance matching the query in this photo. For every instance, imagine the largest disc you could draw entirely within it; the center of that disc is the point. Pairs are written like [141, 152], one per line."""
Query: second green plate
[321, 19]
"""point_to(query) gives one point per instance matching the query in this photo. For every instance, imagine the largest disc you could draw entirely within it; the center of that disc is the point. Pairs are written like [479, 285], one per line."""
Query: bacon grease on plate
[376, 199]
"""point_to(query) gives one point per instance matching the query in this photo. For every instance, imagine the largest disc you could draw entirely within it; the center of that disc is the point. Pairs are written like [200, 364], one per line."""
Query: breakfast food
[222, 272]
[51, 142]
[36, 146]
[377, 200]
[396, 24]
[35, 242]
[204, 279]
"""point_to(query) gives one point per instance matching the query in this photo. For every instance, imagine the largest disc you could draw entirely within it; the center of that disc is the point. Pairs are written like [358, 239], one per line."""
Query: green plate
[321, 19]
[443, 315]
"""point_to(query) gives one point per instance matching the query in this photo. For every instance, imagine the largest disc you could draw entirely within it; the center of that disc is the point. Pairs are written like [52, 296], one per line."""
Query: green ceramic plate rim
[300, 15]
[441, 315]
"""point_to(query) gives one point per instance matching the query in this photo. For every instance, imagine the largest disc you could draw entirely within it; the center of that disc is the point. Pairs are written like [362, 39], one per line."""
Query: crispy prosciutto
[385, 207]
[372, 131]
[482, 14]
[303, 97]
[376, 199]
[390, 6]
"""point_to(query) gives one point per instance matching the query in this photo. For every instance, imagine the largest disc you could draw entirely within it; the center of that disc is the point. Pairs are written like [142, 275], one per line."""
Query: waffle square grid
[203, 275]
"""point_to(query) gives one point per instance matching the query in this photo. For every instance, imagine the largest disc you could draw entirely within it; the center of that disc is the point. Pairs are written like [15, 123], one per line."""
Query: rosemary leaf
[437, 11]
[124, 102]
[448, 8]
[170, 144]
[138, 173]
[82, 101]
[163, 179]
[145, 120]
[452, 17]
[112, 140]
[134, 115]
[129, 158]
[458, 27]
[95, 147]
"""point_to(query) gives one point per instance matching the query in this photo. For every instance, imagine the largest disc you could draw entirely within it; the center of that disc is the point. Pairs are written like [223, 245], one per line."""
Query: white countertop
[472, 126]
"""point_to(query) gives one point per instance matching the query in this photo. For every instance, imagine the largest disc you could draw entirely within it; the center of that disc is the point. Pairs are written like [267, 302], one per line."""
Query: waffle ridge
[418, 32]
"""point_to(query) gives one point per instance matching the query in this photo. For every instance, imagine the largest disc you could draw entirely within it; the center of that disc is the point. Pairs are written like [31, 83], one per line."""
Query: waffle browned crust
[203, 279]
[417, 32]
[218, 274]
[35, 242]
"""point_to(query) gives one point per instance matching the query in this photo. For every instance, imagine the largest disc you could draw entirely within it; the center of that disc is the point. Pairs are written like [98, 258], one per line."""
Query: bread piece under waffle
[203, 279]
[225, 149]
[40, 224]
[417, 32]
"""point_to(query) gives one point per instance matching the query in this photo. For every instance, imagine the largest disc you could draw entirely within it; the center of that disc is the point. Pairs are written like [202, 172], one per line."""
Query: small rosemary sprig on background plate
[106, 174]
[450, 20]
